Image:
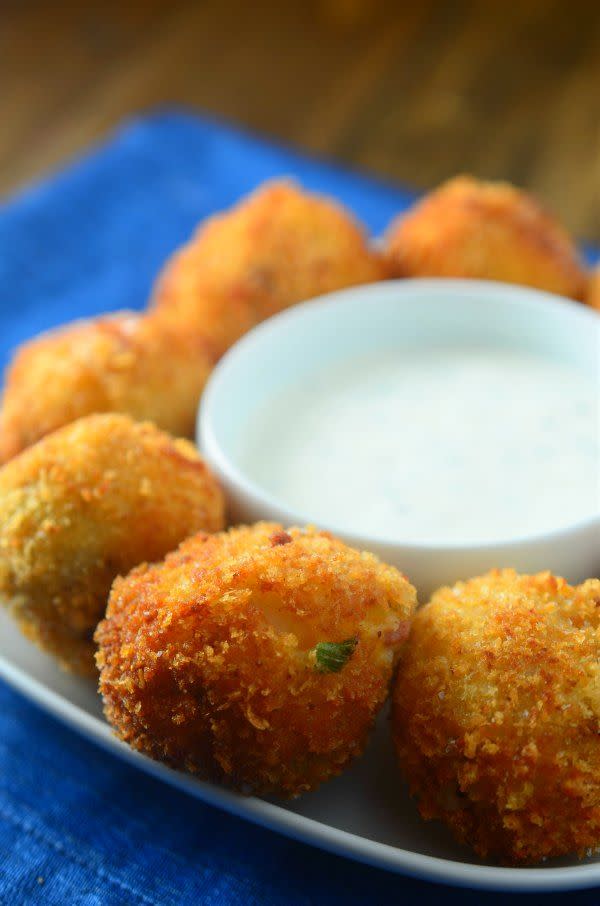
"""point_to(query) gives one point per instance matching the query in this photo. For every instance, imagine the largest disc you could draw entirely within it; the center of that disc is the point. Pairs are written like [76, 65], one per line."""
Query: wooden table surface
[414, 91]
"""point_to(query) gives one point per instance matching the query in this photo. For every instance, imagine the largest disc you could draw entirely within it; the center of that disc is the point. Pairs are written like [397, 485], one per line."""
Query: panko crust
[84, 505]
[593, 292]
[124, 362]
[278, 246]
[207, 660]
[488, 231]
[496, 714]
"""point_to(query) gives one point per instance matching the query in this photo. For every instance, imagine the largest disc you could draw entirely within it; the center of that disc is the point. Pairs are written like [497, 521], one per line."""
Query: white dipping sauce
[437, 446]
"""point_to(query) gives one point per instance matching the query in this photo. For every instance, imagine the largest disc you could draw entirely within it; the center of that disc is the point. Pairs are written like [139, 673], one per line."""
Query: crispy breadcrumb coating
[593, 293]
[118, 363]
[211, 660]
[497, 714]
[83, 505]
[485, 230]
[278, 246]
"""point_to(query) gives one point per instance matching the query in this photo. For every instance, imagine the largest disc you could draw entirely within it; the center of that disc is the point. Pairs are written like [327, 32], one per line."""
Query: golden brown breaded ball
[119, 363]
[278, 246]
[257, 657]
[593, 292]
[86, 504]
[496, 714]
[485, 230]
[220, 314]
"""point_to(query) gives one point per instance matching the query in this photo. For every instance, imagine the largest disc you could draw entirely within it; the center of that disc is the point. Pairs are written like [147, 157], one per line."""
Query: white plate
[365, 814]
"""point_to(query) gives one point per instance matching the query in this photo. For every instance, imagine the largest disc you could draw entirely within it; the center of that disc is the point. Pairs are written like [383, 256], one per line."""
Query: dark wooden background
[415, 91]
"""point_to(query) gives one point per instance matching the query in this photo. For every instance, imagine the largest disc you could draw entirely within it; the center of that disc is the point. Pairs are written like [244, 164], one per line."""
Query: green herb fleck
[330, 657]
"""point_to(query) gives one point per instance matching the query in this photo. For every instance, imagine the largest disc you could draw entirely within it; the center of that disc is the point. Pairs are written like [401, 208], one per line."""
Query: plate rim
[279, 819]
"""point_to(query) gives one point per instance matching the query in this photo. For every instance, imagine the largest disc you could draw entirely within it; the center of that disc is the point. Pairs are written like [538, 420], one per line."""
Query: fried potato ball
[119, 363]
[83, 505]
[496, 714]
[257, 657]
[593, 293]
[278, 246]
[485, 230]
[220, 314]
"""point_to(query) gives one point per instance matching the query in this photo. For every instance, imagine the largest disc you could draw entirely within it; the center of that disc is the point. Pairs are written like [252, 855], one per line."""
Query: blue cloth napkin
[76, 825]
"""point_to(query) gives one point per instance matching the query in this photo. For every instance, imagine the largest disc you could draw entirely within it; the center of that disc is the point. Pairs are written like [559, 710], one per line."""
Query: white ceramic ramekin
[395, 315]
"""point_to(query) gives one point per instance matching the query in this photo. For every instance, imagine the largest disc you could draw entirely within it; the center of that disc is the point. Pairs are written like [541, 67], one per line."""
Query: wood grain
[415, 92]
